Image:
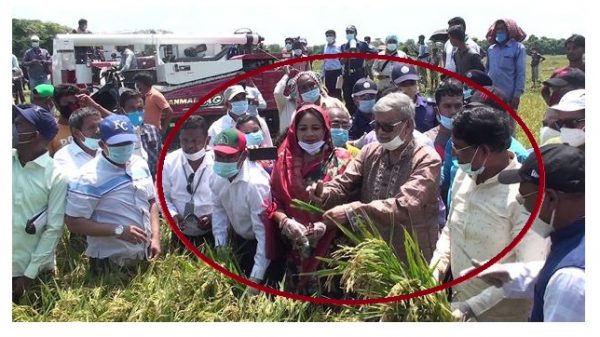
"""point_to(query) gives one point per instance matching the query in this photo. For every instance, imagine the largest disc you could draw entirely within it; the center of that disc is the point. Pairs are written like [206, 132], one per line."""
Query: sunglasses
[190, 180]
[384, 127]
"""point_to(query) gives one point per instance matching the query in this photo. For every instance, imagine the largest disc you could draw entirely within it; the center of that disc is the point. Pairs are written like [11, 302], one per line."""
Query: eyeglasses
[190, 180]
[521, 198]
[458, 150]
[341, 125]
[384, 127]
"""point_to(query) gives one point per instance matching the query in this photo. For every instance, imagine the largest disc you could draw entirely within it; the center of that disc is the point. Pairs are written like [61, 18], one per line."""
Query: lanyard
[186, 176]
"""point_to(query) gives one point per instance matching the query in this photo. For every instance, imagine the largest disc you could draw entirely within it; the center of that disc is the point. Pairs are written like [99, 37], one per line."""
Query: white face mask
[195, 156]
[573, 137]
[330, 39]
[313, 148]
[35, 44]
[547, 133]
[542, 228]
[392, 46]
[393, 144]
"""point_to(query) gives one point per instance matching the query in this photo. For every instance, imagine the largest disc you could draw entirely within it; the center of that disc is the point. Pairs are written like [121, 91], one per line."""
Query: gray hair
[397, 102]
[77, 117]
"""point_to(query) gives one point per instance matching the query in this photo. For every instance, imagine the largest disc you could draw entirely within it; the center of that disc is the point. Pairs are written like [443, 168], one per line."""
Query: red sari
[290, 177]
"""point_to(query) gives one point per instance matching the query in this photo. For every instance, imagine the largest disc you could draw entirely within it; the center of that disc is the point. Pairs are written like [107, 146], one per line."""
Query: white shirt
[564, 298]
[177, 168]
[226, 122]
[109, 194]
[69, 159]
[483, 220]
[262, 104]
[449, 49]
[285, 105]
[242, 204]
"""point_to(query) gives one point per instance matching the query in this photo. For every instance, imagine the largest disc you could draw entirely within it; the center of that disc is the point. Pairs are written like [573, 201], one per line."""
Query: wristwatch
[119, 230]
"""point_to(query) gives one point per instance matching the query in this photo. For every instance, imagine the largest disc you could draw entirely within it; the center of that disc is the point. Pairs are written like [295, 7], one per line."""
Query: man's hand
[496, 275]
[86, 101]
[205, 222]
[315, 192]
[292, 229]
[133, 234]
[336, 216]
[461, 311]
[179, 221]
[251, 291]
[154, 249]
[20, 284]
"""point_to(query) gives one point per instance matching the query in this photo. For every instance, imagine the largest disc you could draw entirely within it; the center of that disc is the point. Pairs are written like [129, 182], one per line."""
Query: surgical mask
[136, 117]
[239, 107]
[468, 167]
[445, 121]
[501, 37]
[392, 46]
[120, 154]
[366, 105]
[542, 228]
[547, 133]
[393, 144]
[330, 39]
[195, 156]
[573, 137]
[339, 137]
[254, 138]
[35, 44]
[313, 148]
[225, 170]
[288, 46]
[311, 96]
[91, 143]
[467, 93]
[297, 52]
[349, 37]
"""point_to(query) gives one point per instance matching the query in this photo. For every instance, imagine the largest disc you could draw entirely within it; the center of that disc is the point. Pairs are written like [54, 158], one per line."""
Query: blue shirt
[424, 114]
[333, 64]
[450, 164]
[506, 66]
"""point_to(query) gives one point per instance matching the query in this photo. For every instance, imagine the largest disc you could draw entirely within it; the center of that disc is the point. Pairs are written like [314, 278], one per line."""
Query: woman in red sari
[306, 155]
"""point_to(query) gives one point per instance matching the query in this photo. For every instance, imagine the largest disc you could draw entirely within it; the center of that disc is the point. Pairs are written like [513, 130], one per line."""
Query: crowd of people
[444, 168]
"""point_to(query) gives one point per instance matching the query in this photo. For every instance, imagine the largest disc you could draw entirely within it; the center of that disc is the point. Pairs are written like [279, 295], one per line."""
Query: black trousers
[349, 81]
[330, 81]
[244, 250]
[195, 240]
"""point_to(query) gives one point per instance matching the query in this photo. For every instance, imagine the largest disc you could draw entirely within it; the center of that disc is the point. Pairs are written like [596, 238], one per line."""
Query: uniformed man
[354, 69]
[382, 69]
[406, 79]
[364, 95]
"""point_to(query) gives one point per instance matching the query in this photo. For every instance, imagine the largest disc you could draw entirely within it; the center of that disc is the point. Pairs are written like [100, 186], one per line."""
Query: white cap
[34, 38]
[572, 101]
[232, 91]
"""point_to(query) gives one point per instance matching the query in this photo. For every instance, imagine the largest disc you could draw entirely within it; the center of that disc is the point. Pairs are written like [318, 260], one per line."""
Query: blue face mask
[445, 121]
[311, 96]
[339, 137]
[366, 106]
[239, 107]
[467, 93]
[136, 117]
[254, 138]
[225, 170]
[91, 143]
[120, 154]
[501, 37]
[349, 37]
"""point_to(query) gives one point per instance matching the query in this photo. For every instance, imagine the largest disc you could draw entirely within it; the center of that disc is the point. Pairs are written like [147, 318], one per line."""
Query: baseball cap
[230, 141]
[34, 38]
[573, 76]
[364, 86]
[116, 129]
[44, 90]
[573, 100]
[479, 77]
[232, 91]
[40, 118]
[404, 72]
[564, 166]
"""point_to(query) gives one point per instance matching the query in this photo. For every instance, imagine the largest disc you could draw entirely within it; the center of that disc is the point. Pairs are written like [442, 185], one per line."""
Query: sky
[275, 20]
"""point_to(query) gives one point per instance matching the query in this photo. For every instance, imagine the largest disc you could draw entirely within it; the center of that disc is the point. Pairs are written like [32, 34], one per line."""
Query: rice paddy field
[181, 288]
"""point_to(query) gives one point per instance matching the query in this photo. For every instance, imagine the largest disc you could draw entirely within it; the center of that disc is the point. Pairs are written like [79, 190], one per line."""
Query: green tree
[274, 48]
[22, 30]
[318, 49]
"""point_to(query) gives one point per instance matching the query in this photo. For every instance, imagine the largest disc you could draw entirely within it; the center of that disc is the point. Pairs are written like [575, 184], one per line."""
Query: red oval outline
[320, 300]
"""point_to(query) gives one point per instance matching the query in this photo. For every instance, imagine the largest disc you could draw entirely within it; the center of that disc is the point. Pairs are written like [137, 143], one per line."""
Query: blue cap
[40, 118]
[116, 129]
[479, 77]
[404, 72]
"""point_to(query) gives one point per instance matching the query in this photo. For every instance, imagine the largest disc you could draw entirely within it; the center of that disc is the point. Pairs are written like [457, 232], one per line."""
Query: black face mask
[67, 110]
